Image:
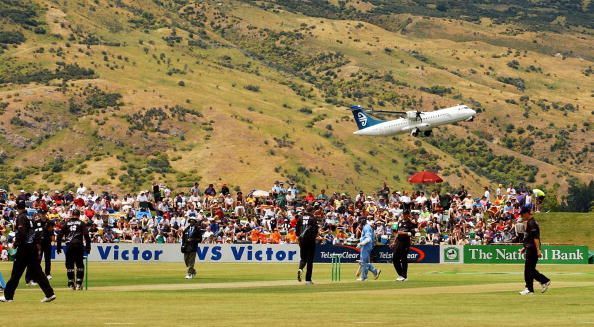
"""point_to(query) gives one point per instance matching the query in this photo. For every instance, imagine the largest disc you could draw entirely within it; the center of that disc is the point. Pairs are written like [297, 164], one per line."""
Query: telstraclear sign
[511, 254]
[125, 252]
[383, 253]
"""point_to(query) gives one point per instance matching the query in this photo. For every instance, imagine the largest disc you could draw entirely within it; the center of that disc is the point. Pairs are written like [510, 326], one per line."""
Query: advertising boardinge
[382, 253]
[451, 254]
[563, 254]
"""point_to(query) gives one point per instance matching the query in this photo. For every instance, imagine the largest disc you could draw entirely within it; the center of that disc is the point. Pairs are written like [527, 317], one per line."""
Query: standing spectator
[499, 191]
[434, 201]
[225, 190]
[540, 195]
[157, 193]
[462, 193]
[511, 192]
[487, 194]
[81, 190]
[210, 191]
[195, 190]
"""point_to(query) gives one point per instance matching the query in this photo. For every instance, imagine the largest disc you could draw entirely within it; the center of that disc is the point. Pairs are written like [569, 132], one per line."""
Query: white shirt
[81, 190]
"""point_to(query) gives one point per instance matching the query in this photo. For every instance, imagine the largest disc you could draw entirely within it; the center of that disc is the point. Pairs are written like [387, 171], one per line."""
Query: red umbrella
[424, 177]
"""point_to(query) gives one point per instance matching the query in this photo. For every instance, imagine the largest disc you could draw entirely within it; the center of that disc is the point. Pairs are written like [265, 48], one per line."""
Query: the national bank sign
[511, 254]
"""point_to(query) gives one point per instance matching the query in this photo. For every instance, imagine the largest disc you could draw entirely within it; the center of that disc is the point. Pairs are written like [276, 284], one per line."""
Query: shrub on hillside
[437, 89]
[65, 72]
[99, 99]
[518, 82]
[7, 37]
[253, 88]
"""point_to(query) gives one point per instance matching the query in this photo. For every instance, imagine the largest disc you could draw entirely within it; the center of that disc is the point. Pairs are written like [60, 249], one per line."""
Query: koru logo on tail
[362, 119]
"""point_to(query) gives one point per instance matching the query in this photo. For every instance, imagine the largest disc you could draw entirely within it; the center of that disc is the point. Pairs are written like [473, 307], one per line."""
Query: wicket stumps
[336, 268]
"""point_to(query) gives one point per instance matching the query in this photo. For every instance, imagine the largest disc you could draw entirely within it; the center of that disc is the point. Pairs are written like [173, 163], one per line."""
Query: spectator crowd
[160, 215]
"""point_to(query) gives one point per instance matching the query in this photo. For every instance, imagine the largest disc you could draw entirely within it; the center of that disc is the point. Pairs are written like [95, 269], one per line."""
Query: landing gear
[427, 133]
[415, 132]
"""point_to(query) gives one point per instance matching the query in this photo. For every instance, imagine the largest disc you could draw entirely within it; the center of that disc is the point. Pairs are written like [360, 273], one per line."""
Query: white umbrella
[260, 194]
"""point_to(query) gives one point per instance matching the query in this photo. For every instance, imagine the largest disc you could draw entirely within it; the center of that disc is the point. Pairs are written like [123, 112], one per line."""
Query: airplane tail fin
[362, 119]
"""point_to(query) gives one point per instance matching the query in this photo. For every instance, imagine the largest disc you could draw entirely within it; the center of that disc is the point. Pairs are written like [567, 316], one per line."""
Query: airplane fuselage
[428, 121]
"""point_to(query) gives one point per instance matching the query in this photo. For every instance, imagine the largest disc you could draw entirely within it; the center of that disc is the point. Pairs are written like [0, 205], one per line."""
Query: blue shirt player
[366, 244]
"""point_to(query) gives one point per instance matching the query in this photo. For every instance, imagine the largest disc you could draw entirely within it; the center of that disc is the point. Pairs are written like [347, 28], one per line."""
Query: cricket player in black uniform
[307, 231]
[532, 252]
[74, 232]
[190, 239]
[27, 257]
[45, 228]
[401, 246]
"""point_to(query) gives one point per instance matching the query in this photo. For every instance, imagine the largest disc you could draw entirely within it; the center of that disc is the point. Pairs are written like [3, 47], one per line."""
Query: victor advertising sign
[126, 252]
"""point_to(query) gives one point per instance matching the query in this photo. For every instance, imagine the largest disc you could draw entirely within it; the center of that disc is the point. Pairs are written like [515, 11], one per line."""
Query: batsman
[366, 243]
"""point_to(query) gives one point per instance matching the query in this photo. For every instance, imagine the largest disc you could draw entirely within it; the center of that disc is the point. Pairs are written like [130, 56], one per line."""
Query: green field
[567, 228]
[256, 294]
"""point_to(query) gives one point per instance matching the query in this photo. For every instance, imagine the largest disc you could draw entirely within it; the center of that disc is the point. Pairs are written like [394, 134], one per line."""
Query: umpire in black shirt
[27, 257]
[190, 239]
[401, 246]
[307, 231]
[532, 252]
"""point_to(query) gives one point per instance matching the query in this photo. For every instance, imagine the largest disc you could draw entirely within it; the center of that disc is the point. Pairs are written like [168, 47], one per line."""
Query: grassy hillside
[118, 94]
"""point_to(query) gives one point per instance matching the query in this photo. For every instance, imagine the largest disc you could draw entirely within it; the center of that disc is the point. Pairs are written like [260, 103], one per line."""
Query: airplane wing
[419, 126]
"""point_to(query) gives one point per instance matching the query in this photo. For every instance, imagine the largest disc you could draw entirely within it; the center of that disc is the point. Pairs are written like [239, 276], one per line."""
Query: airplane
[413, 122]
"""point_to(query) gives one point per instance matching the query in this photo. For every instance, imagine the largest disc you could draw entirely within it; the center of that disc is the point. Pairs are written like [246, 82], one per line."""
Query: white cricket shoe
[188, 276]
[361, 279]
[309, 283]
[545, 286]
[48, 299]
[3, 299]
[299, 274]
[400, 279]
[526, 292]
